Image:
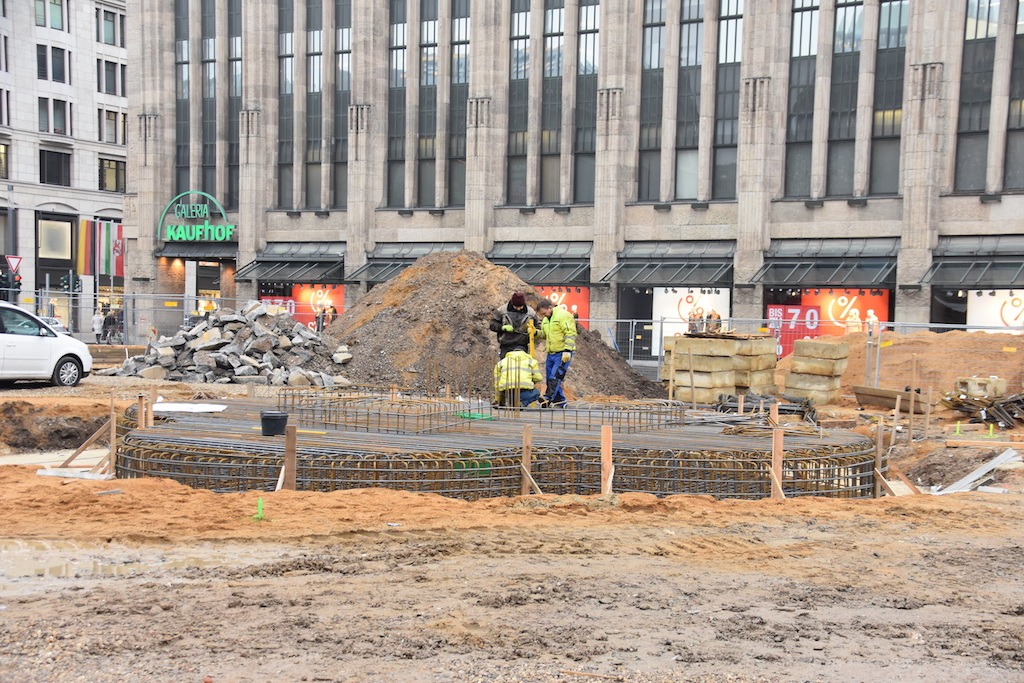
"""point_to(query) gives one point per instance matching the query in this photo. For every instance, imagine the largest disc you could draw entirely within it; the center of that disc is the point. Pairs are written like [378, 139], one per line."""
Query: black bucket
[273, 423]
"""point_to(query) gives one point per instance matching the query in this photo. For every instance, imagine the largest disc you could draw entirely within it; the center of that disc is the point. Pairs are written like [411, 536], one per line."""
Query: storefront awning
[680, 262]
[389, 259]
[199, 251]
[976, 273]
[327, 272]
[545, 263]
[845, 248]
[302, 251]
[849, 272]
[689, 273]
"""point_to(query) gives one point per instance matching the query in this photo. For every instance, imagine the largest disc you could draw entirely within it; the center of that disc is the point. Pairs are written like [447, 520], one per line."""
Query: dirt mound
[28, 427]
[428, 327]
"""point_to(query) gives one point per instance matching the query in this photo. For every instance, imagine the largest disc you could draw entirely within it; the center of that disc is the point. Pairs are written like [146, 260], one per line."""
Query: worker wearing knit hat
[510, 323]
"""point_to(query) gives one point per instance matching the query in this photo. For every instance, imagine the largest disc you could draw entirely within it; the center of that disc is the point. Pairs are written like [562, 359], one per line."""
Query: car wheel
[67, 373]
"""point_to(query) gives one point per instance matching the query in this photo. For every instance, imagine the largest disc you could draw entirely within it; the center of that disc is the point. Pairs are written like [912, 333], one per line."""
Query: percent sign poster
[829, 312]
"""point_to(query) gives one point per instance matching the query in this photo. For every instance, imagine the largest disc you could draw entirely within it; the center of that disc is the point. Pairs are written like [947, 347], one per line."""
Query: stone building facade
[63, 158]
[643, 158]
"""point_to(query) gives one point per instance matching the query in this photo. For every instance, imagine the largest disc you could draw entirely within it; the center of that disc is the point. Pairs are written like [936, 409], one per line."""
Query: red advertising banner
[576, 300]
[832, 312]
[308, 300]
[789, 323]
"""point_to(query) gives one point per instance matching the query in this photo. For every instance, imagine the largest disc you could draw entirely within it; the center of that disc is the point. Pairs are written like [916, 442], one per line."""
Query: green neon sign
[218, 231]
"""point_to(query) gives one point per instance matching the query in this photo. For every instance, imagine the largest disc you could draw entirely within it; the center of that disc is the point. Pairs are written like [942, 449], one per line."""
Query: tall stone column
[761, 149]
[486, 115]
[930, 96]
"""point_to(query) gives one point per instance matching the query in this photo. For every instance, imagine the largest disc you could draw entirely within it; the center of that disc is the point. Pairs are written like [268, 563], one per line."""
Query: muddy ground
[158, 582]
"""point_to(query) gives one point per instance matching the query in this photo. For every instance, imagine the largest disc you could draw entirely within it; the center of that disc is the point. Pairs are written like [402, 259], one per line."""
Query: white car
[31, 349]
[56, 325]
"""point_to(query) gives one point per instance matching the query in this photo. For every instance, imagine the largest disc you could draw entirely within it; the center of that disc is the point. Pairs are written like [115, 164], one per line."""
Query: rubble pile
[428, 328]
[258, 345]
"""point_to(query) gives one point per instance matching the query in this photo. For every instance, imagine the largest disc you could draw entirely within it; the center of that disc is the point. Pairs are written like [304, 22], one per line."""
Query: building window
[208, 33]
[800, 119]
[234, 100]
[458, 100]
[518, 103]
[727, 100]
[691, 56]
[652, 76]
[42, 62]
[57, 14]
[551, 103]
[44, 115]
[587, 63]
[314, 102]
[342, 100]
[60, 117]
[285, 102]
[426, 166]
[57, 61]
[110, 78]
[887, 120]
[112, 175]
[54, 168]
[182, 115]
[397, 54]
[109, 25]
[4, 173]
[975, 97]
[842, 128]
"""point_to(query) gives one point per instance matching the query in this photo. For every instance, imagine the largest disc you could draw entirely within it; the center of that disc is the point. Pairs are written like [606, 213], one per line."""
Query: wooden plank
[529, 481]
[902, 477]
[527, 461]
[965, 427]
[967, 443]
[606, 460]
[885, 398]
[884, 483]
[776, 486]
[290, 441]
[90, 441]
[101, 464]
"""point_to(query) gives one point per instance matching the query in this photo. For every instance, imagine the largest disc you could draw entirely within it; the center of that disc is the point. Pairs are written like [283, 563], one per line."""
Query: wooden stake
[607, 469]
[527, 460]
[113, 432]
[773, 413]
[879, 437]
[777, 450]
[895, 422]
[693, 390]
[913, 385]
[250, 390]
[140, 417]
[928, 413]
[288, 469]
[528, 478]
[740, 405]
[92, 439]
[394, 392]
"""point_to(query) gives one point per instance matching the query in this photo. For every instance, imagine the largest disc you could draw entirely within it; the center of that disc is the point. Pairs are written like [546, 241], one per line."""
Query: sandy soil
[158, 582]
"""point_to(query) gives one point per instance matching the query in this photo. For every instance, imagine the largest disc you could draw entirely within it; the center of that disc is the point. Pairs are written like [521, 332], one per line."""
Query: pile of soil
[428, 328]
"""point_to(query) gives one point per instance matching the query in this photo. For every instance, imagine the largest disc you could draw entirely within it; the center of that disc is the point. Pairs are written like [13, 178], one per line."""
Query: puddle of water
[59, 559]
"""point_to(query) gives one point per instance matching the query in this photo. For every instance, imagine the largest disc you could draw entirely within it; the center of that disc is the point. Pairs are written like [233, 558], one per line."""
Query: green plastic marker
[259, 510]
[958, 429]
[991, 429]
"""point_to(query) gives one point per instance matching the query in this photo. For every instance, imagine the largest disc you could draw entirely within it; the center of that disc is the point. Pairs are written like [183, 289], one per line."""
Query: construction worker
[558, 327]
[511, 322]
[517, 379]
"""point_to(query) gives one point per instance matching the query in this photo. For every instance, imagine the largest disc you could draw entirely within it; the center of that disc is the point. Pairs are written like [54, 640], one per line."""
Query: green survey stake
[259, 509]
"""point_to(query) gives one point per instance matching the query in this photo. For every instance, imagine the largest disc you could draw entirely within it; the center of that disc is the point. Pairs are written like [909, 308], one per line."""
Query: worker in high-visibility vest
[517, 379]
[559, 329]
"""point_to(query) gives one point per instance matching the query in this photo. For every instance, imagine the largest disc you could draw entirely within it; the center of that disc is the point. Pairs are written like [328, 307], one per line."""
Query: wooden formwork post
[913, 386]
[693, 390]
[394, 392]
[113, 434]
[773, 413]
[250, 390]
[739, 407]
[607, 468]
[288, 468]
[527, 460]
[776, 471]
[928, 413]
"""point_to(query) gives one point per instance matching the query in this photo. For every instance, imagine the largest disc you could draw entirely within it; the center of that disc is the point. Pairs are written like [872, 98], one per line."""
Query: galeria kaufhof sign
[188, 228]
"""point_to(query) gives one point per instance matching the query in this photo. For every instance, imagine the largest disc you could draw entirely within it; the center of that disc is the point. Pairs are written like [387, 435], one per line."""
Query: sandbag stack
[712, 364]
[816, 370]
[754, 365]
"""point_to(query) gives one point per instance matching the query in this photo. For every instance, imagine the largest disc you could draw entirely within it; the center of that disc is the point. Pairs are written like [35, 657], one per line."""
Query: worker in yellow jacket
[517, 379]
[559, 329]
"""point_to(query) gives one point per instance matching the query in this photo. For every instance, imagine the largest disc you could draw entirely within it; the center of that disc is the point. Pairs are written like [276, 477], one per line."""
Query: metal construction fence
[884, 354]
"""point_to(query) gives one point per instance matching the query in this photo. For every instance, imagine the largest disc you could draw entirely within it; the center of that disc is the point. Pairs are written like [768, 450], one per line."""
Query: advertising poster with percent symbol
[836, 314]
[306, 300]
[677, 306]
[576, 300]
[1003, 309]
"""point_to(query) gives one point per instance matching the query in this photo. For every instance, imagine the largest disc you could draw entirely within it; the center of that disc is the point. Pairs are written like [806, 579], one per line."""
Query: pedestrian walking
[97, 325]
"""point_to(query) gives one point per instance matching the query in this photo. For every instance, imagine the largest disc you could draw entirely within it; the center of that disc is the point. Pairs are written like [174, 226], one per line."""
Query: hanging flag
[101, 248]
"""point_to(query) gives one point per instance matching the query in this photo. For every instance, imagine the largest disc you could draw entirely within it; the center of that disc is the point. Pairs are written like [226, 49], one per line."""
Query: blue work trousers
[551, 370]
